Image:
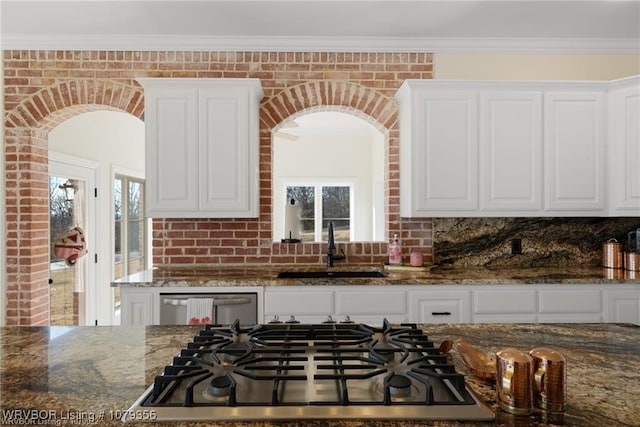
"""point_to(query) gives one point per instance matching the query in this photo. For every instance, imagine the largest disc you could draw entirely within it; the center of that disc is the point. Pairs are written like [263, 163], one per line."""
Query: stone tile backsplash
[478, 242]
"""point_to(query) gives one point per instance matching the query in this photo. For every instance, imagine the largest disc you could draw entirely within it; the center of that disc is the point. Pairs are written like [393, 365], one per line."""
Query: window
[130, 228]
[332, 148]
[321, 204]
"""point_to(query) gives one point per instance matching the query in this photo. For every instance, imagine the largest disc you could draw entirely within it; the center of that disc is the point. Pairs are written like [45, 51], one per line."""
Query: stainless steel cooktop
[319, 371]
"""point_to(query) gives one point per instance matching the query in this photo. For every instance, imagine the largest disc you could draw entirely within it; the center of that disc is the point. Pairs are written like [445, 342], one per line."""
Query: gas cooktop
[295, 371]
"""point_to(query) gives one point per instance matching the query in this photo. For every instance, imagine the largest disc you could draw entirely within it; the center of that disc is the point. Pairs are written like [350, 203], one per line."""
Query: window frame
[127, 176]
[125, 223]
[318, 183]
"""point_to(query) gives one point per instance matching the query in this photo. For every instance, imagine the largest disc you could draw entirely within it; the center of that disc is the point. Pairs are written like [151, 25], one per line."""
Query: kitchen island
[91, 375]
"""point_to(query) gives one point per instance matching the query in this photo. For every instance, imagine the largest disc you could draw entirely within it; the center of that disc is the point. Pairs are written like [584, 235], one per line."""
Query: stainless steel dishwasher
[227, 307]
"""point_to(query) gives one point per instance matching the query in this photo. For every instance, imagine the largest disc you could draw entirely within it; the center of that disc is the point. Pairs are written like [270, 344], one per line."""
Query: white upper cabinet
[441, 160]
[624, 146]
[510, 150]
[202, 141]
[574, 151]
[485, 148]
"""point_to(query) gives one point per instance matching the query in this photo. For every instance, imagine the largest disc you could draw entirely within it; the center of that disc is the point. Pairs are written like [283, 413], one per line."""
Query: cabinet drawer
[370, 302]
[442, 311]
[567, 301]
[439, 306]
[306, 302]
[505, 301]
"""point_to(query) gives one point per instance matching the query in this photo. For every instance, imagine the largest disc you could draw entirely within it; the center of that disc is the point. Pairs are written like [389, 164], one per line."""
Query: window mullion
[124, 228]
[318, 212]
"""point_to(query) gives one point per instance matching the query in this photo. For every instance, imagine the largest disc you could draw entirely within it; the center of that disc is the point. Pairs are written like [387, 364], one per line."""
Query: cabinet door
[137, 307]
[303, 303]
[571, 304]
[445, 146]
[371, 304]
[434, 306]
[623, 306]
[510, 151]
[574, 152]
[505, 304]
[228, 153]
[171, 151]
[624, 153]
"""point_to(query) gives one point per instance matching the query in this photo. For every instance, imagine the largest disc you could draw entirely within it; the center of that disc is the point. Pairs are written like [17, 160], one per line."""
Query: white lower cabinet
[136, 307]
[553, 303]
[308, 304]
[372, 304]
[361, 304]
[505, 304]
[622, 305]
[440, 306]
[570, 304]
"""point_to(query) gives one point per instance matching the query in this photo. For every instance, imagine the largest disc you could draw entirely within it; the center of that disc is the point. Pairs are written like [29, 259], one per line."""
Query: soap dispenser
[395, 251]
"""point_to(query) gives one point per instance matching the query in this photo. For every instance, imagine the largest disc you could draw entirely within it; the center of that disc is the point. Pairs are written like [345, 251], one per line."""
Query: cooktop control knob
[347, 319]
[292, 319]
[276, 319]
[329, 319]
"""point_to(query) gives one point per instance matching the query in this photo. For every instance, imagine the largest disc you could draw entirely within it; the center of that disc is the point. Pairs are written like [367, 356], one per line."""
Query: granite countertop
[91, 374]
[267, 276]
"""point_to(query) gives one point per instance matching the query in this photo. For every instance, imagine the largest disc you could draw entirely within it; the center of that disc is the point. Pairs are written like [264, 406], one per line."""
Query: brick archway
[27, 192]
[336, 95]
[327, 93]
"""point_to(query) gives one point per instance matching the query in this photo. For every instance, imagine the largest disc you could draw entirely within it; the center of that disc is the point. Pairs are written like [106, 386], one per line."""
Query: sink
[328, 274]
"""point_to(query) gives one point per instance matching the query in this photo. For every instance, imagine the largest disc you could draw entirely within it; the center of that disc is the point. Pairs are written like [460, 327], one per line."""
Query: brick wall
[44, 88]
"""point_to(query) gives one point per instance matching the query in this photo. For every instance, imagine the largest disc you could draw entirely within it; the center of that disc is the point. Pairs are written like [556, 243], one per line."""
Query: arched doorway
[113, 141]
[26, 180]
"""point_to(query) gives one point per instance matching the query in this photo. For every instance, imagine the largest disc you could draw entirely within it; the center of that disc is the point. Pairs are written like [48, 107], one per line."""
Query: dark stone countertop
[183, 276]
[91, 374]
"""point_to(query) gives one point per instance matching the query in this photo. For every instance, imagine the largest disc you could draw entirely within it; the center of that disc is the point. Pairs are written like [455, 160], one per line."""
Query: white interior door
[73, 270]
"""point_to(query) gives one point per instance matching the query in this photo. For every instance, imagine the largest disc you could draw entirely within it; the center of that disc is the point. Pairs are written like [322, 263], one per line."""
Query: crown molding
[313, 44]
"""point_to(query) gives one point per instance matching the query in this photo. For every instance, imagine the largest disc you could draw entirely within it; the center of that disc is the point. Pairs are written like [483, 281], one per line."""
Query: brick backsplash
[44, 88]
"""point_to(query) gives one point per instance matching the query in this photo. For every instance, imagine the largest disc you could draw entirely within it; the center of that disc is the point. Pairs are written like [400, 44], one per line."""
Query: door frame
[133, 173]
[86, 170]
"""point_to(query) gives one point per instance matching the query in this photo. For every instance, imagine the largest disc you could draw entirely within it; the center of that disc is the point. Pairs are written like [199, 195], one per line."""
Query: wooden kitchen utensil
[481, 364]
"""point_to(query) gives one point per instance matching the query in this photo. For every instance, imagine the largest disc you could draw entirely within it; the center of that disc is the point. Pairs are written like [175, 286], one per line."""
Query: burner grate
[292, 365]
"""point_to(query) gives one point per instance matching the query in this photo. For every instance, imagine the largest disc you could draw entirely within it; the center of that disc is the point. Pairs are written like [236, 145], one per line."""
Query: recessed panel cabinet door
[136, 307]
[510, 151]
[224, 158]
[624, 165]
[447, 154]
[172, 150]
[574, 152]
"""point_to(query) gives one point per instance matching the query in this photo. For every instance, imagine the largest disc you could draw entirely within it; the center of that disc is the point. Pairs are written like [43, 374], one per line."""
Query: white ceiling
[330, 25]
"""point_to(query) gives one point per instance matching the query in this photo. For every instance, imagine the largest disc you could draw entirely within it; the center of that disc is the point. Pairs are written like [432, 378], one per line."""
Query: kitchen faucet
[331, 247]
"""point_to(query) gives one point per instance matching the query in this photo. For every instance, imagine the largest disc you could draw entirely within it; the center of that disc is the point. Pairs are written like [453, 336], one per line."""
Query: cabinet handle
[441, 313]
